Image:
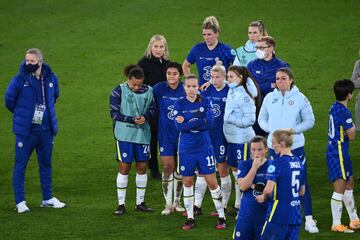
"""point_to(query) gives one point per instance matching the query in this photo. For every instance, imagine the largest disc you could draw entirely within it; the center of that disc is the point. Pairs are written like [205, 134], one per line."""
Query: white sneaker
[178, 208]
[311, 227]
[167, 210]
[22, 208]
[53, 202]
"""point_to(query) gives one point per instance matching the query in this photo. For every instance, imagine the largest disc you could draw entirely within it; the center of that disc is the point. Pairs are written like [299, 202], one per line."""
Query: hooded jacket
[293, 110]
[20, 99]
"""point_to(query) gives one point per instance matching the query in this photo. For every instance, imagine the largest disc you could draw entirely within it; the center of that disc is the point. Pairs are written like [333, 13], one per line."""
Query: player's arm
[302, 190]
[307, 117]
[263, 117]
[115, 102]
[186, 68]
[269, 188]
[245, 182]
[351, 132]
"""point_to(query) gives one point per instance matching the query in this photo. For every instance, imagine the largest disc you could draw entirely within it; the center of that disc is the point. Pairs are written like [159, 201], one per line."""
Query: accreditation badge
[39, 114]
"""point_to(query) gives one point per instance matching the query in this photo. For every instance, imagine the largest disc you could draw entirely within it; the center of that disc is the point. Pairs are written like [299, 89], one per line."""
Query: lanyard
[42, 88]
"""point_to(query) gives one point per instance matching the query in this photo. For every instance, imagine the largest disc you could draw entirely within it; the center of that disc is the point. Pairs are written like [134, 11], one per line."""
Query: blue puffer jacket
[20, 99]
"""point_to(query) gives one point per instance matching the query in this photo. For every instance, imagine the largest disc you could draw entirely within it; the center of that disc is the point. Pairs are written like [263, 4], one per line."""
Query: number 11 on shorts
[210, 160]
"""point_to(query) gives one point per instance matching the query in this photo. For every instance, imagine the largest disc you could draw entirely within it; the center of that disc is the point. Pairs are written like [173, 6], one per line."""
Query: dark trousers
[153, 161]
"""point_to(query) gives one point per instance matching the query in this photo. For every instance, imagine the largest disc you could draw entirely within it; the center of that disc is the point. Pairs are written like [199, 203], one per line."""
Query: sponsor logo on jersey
[295, 203]
[349, 120]
[258, 72]
[171, 114]
[207, 73]
[216, 110]
[271, 169]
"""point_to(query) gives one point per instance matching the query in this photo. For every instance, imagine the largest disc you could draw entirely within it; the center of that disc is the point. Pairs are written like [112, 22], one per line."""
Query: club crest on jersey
[246, 99]
[349, 120]
[271, 169]
[291, 102]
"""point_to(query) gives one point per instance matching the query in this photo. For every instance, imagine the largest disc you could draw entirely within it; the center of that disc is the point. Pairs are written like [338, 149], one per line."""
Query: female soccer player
[206, 54]
[341, 130]
[240, 111]
[287, 107]
[251, 180]
[216, 93]
[129, 109]
[153, 63]
[165, 95]
[247, 53]
[285, 182]
[194, 118]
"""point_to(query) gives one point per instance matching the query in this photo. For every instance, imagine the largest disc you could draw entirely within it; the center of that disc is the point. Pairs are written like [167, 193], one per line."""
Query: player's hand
[273, 85]
[180, 119]
[205, 86]
[260, 198]
[257, 162]
[139, 120]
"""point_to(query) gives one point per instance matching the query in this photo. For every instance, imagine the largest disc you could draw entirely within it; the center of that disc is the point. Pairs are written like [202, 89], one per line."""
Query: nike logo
[26, 84]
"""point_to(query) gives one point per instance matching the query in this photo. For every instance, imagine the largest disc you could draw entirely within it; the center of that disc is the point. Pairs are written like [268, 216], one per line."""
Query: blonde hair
[261, 26]
[283, 136]
[157, 37]
[219, 67]
[211, 23]
[37, 53]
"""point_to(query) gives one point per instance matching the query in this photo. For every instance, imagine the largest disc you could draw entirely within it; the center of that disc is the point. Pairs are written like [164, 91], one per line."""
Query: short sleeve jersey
[165, 97]
[287, 173]
[205, 59]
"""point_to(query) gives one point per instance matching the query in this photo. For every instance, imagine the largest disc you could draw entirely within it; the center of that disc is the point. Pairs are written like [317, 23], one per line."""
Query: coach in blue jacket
[31, 97]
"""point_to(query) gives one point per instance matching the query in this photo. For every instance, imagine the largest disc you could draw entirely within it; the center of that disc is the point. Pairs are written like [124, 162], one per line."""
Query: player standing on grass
[285, 182]
[341, 130]
[251, 180]
[216, 93]
[129, 109]
[239, 117]
[165, 95]
[287, 107]
[194, 118]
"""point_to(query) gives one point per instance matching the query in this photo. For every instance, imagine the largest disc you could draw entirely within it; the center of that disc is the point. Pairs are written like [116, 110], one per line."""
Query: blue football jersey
[339, 121]
[218, 100]
[194, 131]
[287, 172]
[165, 97]
[251, 211]
[205, 59]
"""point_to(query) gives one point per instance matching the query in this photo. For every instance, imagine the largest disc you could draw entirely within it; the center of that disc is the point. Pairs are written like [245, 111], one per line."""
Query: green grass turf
[88, 43]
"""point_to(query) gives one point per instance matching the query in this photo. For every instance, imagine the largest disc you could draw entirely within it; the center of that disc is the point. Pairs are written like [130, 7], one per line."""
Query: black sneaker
[143, 208]
[120, 210]
[197, 211]
[233, 211]
[189, 224]
[221, 224]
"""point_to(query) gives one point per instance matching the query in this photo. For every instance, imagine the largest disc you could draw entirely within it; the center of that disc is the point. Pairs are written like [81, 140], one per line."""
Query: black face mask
[31, 68]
